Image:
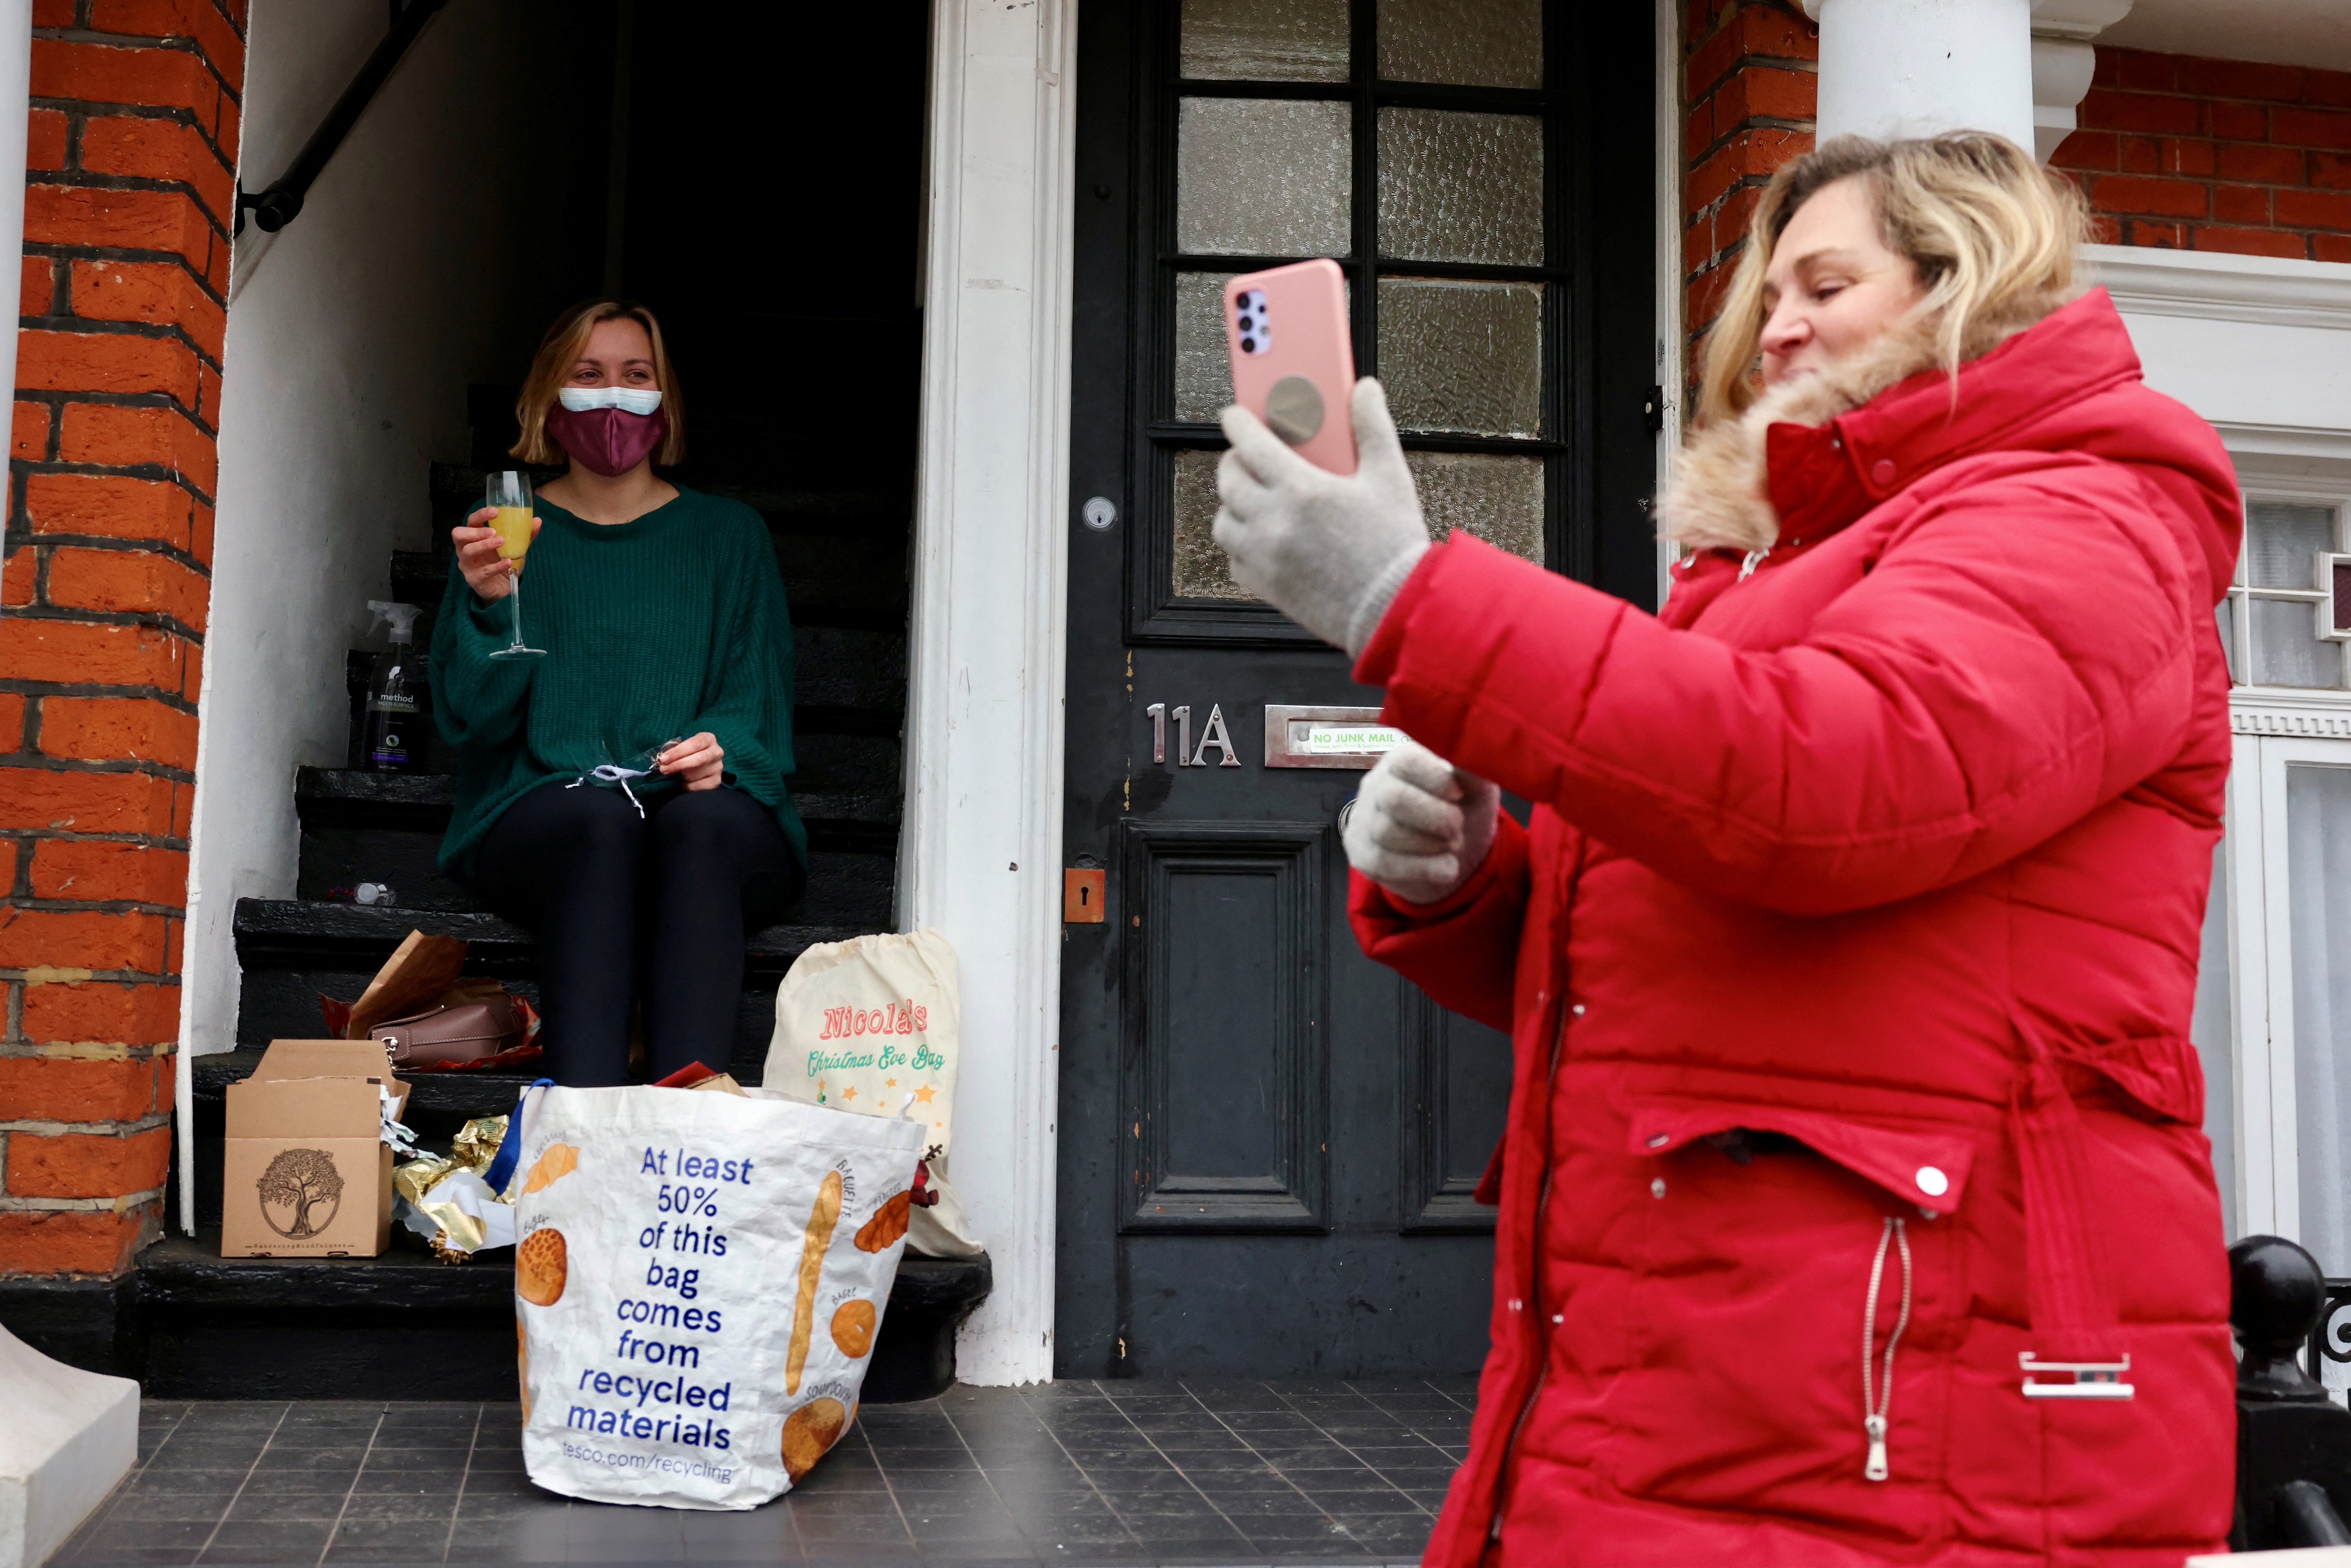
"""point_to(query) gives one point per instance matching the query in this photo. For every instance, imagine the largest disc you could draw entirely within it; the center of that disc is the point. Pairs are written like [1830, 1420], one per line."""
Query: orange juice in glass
[509, 497]
[513, 524]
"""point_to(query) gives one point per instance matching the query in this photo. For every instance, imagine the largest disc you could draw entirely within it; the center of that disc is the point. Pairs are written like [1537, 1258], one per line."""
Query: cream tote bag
[871, 1025]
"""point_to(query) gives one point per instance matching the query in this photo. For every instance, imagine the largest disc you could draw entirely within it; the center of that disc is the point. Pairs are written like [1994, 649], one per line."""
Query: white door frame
[981, 851]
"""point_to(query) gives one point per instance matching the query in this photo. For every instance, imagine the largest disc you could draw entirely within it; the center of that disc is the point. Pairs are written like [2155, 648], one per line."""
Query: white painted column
[980, 858]
[2062, 62]
[1893, 69]
[15, 90]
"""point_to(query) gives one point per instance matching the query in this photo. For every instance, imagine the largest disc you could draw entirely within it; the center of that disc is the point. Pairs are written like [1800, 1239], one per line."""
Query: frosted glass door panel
[1204, 374]
[2281, 541]
[1202, 570]
[1500, 499]
[1461, 187]
[1265, 40]
[2318, 873]
[1462, 356]
[2211, 1028]
[1262, 177]
[1475, 43]
[2286, 648]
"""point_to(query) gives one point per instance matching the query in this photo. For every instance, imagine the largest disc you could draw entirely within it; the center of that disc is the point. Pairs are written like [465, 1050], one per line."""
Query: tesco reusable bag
[873, 1025]
[698, 1283]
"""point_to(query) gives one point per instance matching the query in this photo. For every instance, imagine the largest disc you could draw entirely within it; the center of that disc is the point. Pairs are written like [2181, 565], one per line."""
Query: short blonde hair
[1992, 232]
[550, 368]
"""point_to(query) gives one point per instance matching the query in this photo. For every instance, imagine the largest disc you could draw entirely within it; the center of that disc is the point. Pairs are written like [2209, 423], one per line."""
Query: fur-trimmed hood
[1721, 494]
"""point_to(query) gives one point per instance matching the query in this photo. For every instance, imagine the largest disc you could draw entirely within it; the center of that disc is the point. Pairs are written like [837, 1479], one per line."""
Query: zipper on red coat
[1534, 1295]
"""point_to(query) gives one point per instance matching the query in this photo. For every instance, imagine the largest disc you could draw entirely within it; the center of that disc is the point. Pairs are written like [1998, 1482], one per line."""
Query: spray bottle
[395, 702]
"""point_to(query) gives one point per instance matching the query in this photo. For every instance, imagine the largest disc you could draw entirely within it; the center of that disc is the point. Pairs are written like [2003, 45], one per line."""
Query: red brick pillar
[1748, 91]
[129, 196]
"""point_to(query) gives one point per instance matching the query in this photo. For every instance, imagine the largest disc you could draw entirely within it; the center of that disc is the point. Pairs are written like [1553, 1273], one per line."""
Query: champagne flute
[509, 495]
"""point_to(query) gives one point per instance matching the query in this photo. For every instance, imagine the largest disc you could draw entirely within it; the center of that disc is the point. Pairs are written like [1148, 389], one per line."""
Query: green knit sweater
[654, 630]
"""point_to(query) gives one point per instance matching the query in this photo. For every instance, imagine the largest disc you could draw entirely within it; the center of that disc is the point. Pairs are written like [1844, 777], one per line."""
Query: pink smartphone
[1293, 361]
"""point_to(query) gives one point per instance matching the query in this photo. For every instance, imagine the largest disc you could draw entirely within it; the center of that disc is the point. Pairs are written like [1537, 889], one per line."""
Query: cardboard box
[306, 1172]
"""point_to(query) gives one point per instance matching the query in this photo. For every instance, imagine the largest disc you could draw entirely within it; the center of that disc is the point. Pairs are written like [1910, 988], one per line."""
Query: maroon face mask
[608, 440]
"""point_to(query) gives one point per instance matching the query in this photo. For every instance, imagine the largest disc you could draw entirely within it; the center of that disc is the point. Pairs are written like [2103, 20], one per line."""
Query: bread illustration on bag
[559, 1161]
[852, 1328]
[888, 1224]
[540, 1266]
[823, 1218]
[810, 1430]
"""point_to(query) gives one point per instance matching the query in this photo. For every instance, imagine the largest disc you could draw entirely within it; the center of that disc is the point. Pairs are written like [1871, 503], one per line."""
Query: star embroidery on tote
[923, 1094]
[889, 1083]
[849, 1092]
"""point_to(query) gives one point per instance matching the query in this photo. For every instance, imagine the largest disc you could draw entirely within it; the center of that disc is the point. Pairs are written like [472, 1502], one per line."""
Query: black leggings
[629, 908]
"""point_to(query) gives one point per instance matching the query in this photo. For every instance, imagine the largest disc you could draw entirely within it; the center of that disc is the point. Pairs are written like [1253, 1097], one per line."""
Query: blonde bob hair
[1992, 232]
[551, 370]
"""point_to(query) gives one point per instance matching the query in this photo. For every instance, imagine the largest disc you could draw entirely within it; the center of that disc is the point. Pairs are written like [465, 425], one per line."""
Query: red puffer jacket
[1848, 961]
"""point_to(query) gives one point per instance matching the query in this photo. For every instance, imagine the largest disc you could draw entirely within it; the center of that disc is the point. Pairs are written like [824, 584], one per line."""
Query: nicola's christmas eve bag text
[698, 1284]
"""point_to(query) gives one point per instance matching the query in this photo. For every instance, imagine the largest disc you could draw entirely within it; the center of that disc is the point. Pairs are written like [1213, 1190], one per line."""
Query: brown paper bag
[413, 978]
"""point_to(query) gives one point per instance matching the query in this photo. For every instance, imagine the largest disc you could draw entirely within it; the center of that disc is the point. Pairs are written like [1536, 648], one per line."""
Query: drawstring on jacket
[1877, 1396]
[610, 773]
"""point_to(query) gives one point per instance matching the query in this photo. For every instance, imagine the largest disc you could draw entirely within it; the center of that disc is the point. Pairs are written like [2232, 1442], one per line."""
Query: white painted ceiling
[2281, 32]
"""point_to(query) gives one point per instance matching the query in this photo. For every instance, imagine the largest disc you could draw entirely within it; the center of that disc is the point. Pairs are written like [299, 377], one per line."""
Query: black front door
[1268, 1143]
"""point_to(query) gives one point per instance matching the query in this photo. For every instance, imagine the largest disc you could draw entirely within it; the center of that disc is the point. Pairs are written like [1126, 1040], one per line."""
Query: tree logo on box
[301, 1180]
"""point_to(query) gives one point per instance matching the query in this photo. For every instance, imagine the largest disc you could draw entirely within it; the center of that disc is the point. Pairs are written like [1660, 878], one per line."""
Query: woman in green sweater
[668, 668]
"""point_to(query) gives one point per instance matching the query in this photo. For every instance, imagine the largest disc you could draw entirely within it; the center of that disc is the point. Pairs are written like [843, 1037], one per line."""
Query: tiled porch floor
[1125, 1473]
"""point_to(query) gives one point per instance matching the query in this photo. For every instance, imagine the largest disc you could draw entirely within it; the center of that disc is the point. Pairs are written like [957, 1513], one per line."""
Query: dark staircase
[402, 1325]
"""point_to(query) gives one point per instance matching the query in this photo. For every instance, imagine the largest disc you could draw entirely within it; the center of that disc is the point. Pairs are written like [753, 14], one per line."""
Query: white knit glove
[1421, 826]
[1328, 551]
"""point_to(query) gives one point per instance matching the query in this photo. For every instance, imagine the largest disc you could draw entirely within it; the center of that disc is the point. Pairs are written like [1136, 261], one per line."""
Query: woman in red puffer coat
[1855, 1207]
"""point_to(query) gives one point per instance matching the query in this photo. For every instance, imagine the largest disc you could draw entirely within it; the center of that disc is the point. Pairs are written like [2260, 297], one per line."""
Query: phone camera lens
[1248, 345]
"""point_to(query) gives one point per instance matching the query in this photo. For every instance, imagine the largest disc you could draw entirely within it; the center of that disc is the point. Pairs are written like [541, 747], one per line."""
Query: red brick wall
[2173, 150]
[2199, 154]
[129, 196]
[1747, 85]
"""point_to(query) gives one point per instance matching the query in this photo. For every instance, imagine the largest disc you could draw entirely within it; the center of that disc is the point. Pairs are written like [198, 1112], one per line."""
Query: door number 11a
[1212, 734]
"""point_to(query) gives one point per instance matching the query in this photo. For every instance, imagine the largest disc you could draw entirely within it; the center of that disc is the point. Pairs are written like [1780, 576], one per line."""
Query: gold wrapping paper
[476, 1145]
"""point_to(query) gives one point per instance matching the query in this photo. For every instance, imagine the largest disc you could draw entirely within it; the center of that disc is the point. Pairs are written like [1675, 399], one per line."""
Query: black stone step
[283, 1004]
[402, 1326]
[464, 1095]
[386, 829]
[306, 934]
[833, 667]
[420, 802]
[456, 490]
[842, 552]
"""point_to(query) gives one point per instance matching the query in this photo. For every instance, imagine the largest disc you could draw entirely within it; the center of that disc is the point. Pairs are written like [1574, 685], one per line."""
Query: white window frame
[2273, 729]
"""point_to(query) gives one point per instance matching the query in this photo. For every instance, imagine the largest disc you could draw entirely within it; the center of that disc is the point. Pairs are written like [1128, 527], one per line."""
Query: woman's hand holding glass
[698, 760]
[487, 572]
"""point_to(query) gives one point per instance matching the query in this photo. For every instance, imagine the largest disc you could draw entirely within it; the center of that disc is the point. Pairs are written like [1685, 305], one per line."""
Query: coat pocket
[1797, 1312]
[1927, 1167]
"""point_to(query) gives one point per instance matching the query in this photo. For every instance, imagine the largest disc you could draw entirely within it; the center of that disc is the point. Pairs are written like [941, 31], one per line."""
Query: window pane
[2229, 642]
[2286, 648]
[1461, 187]
[1262, 177]
[2210, 1028]
[1478, 43]
[1462, 356]
[1265, 40]
[1202, 571]
[1204, 373]
[1500, 499]
[2281, 539]
[2318, 862]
